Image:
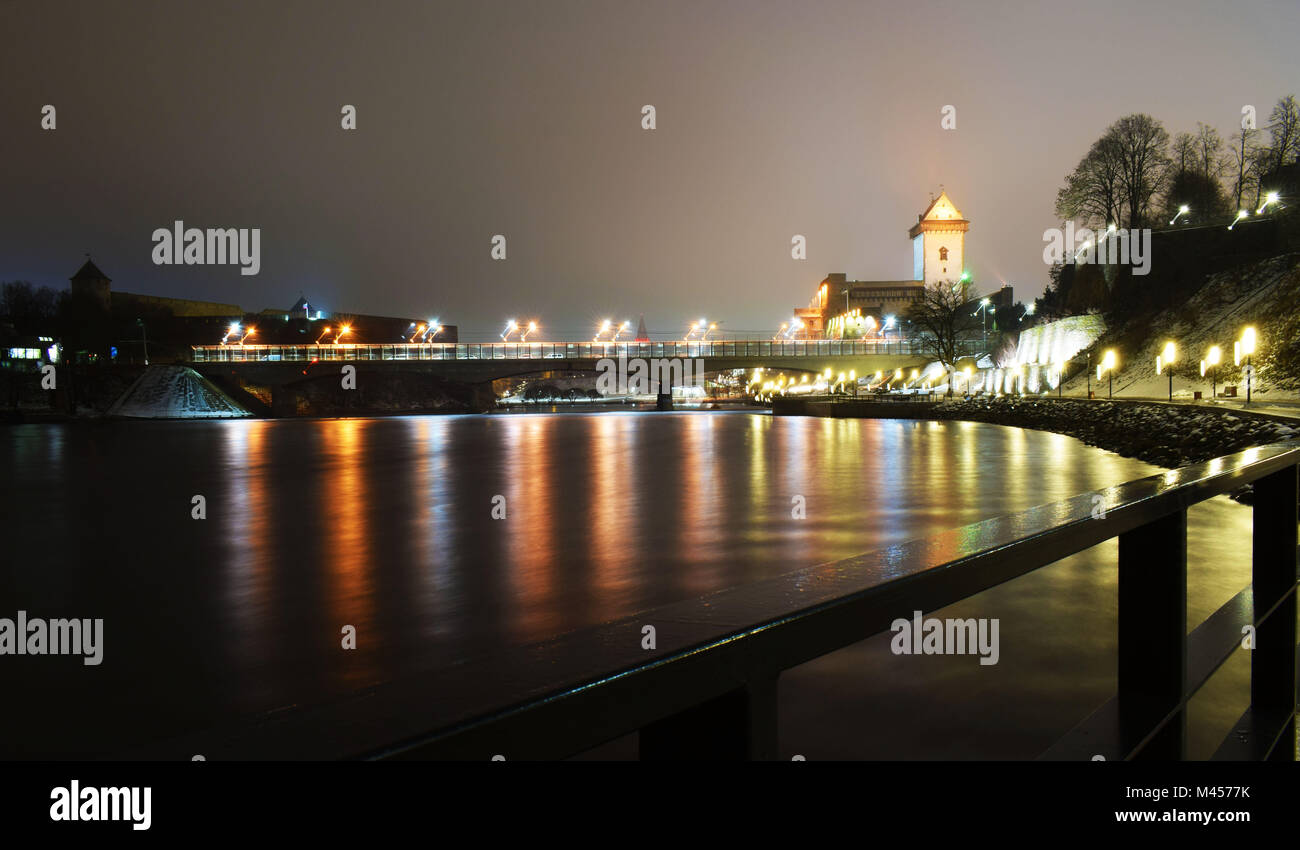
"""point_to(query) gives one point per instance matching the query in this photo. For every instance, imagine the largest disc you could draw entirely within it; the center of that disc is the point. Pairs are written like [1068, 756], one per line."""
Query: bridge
[282, 366]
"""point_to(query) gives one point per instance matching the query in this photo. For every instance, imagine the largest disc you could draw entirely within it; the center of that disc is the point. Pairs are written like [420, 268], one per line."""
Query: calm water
[387, 525]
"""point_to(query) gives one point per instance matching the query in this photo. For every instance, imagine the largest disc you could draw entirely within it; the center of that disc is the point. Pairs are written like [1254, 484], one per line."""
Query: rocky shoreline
[1168, 435]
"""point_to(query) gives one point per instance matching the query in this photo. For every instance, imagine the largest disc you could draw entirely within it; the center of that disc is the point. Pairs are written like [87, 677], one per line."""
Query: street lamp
[1270, 198]
[984, 308]
[1165, 360]
[419, 330]
[145, 336]
[1107, 367]
[780, 333]
[251, 331]
[511, 327]
[1247, 348]
[1240, 215]
[1181, 211]
[343, 331]
[523, 336]
[230, 331]
[322, 334]
[1212, 358]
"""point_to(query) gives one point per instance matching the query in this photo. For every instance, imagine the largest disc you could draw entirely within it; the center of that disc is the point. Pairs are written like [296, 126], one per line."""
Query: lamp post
[1213, 357]
[984, 309]
[1107, 365]
[1247, 349]
[1165, 360]
[144, 334]
[322, 334]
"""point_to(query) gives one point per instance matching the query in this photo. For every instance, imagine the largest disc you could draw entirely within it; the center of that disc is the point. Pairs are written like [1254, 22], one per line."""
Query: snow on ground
[1214, 315]
[175, 392]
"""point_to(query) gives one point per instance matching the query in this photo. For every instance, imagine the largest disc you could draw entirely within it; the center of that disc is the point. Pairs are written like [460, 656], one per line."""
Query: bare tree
[1183, 152]
[1091, 193]
[1284, 132]
[944, 320]
[1244, 156]
[1142, 143]
[1211, 160]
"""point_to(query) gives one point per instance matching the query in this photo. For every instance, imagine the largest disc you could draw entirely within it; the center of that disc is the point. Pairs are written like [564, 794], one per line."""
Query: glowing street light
[511, 327]
[1212, 359]
[712, 327]
[620, 329]
[1240, 215]
[781, 332]
[984, 308]
[1270, 198]
[1107, 367]
[251, 331]
[523, 337]
[230, 331]
[322, 334]
[1166, 359]
[343, 331]
[419, 330]
[1181, 211]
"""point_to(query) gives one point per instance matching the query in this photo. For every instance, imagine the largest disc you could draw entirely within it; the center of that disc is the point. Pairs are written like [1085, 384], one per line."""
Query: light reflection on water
[386, 525]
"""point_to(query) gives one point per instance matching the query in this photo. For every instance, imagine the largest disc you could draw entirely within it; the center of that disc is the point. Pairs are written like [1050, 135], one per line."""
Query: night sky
[524, 119]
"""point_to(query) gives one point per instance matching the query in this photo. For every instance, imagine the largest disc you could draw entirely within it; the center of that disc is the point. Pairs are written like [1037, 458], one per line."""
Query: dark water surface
[387, 525]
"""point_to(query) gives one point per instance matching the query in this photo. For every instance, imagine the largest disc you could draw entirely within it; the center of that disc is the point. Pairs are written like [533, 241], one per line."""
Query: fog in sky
[524, 119]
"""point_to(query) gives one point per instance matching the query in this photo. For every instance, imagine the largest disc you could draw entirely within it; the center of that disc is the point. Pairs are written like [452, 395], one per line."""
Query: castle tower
[938, 242]
[89, 280]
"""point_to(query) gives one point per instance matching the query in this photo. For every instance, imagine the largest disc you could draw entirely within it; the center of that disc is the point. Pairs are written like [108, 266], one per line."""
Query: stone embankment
[1169, 435]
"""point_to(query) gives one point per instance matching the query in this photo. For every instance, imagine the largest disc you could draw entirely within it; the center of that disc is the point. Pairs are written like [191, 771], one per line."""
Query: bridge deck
[813, 348]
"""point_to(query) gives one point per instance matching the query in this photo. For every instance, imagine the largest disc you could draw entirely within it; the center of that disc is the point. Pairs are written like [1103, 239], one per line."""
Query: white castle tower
[938, 240]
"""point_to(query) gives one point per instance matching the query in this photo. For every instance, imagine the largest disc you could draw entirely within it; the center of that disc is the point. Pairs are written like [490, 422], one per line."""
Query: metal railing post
[739, 725]
[1273, 660]
[1153, 635]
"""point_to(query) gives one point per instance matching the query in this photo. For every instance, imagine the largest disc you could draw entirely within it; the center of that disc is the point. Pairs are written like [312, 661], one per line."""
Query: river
[388, 525]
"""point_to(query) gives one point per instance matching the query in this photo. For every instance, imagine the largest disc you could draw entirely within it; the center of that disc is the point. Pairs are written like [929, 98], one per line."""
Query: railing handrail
[588, 687]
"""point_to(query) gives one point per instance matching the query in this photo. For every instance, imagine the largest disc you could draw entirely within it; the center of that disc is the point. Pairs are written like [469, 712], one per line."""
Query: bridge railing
[236, 353]
[712, 691]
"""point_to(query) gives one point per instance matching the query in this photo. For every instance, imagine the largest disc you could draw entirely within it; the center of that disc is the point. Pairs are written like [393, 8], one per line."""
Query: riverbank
[1168, 435]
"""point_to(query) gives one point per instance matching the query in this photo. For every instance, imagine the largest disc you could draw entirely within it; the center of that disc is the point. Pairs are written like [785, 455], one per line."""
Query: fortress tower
[938, 242]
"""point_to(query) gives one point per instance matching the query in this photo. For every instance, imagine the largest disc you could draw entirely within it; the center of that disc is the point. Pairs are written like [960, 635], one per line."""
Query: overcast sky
[524, 119]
